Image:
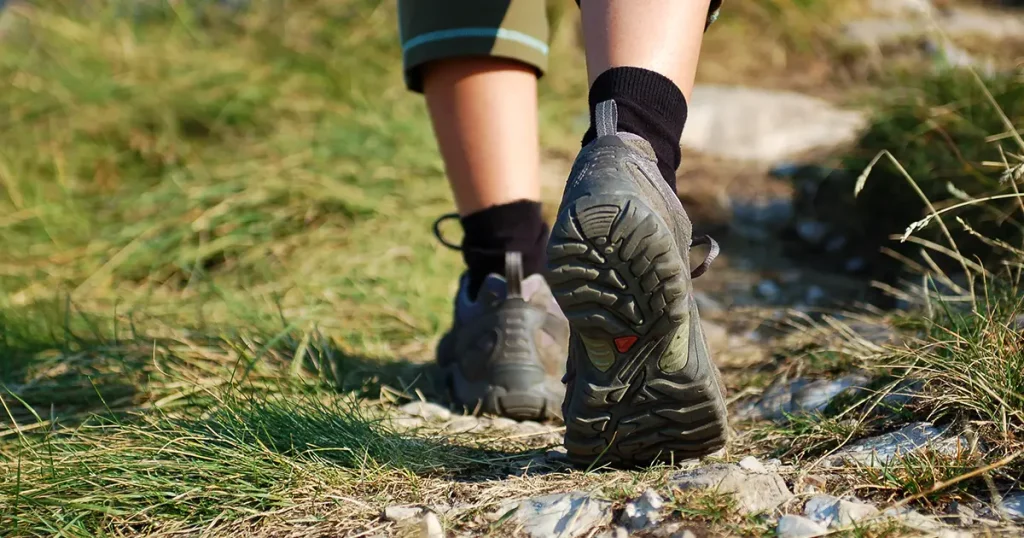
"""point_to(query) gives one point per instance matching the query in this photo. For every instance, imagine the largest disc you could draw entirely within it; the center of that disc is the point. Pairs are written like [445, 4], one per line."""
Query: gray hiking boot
[641, 386]
[505, 354]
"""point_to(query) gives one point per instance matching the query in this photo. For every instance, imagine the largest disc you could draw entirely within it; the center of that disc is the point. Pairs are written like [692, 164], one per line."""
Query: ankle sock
[491, 232]
[650, 106]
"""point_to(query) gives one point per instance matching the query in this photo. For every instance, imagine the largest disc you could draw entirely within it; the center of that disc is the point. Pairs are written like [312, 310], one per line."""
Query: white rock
[1013, 505]
[881, 450]
[984, 23]
[953, 533]
[914, 520]
[463, 424]
[560, 515]
[425, 525]
[407, 423]
[750, 463]
[816, 395]
[821, 509]
[643, 512]
[876, 32]
[765, 126]
[502, 423]
[755, 493]
[815, 295]
[873, 33]
[425, 410]
[800, 396]
[833, 512]
[769, 290]
[402, 512]
[791, 526]
[531, 427]
[685, 533]
[853, 512]
[430, 526]
[903, 7]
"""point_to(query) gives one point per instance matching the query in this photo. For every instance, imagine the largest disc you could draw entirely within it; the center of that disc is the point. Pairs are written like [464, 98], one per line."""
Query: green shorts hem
[472, 42]
[434, 30]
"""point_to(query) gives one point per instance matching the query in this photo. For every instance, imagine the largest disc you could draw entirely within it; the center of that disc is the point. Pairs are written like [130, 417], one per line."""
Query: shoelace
[697, 241]
[712, 254]
[437, 230]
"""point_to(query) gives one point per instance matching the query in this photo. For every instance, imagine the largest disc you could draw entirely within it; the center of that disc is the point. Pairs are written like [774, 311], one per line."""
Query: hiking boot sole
[620, 278]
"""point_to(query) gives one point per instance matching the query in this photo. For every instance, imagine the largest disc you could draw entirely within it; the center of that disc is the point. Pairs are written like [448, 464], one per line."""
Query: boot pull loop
[514, 274]
[606, 118]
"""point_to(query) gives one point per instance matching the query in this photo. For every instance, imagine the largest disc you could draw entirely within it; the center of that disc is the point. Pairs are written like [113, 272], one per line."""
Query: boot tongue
[512, 285]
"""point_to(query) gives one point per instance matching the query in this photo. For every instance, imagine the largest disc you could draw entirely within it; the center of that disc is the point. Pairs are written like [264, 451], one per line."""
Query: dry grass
[957, 358]
[209, 221]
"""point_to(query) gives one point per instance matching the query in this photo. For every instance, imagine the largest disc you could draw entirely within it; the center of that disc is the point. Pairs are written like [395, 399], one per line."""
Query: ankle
[491, 232]
[650, 106]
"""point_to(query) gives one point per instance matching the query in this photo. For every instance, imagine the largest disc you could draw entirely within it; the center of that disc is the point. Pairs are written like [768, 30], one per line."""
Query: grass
[218, 268]
[959, 352]
[947, 135]
[240, 461]
[209, 221]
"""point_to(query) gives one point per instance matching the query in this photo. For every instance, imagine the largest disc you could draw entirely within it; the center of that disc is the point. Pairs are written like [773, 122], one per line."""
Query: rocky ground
[235, 209]
[742, 147]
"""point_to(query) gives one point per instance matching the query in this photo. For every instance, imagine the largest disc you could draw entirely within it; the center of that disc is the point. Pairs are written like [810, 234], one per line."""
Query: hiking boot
[641, 386]
[505, 354]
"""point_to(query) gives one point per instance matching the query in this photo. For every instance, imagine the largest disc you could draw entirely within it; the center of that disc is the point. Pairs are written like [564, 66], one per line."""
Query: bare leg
[658, 35]
[484, 112]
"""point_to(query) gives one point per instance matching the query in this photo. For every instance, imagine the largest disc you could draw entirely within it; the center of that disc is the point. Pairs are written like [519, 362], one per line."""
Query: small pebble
[407, 423]
[427, 410]
[643, 512]
[812, 231]
[430, 526]
[791, 526]
[529, 427]
[815, 295]
[750, 463]
[502, 423]
[769, 290]
[462, 424]
[401, 512]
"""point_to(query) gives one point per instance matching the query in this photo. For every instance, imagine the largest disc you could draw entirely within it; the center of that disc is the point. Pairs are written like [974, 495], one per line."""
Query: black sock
[491, 232]
[649, 105]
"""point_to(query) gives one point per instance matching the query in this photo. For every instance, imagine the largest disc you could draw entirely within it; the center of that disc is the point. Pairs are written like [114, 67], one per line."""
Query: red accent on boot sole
[624, 343]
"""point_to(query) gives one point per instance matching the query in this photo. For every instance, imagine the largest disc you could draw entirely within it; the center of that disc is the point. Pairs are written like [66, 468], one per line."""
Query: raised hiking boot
[505, 354]
[641, 386]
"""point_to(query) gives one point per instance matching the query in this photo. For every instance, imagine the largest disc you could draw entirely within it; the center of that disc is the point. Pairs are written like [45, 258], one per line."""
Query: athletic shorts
[514, 29]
